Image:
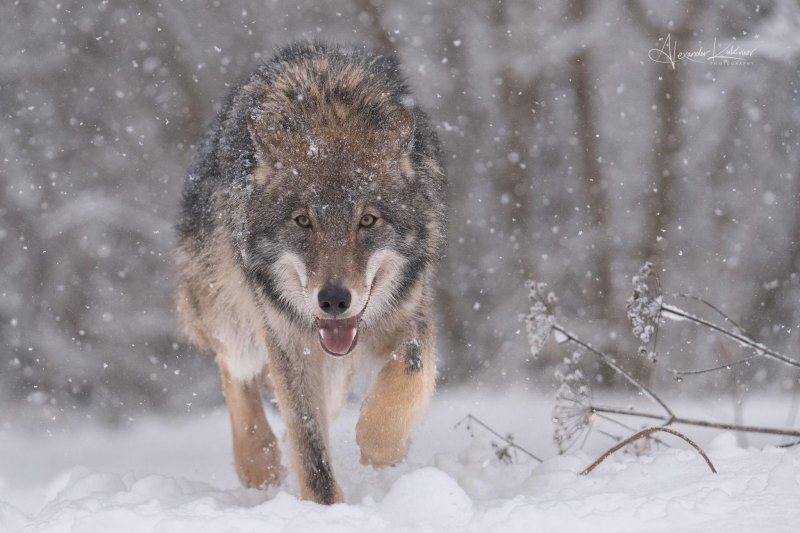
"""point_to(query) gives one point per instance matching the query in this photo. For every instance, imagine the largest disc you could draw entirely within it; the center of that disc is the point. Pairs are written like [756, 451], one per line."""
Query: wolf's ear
[402, 130]
[266, 140]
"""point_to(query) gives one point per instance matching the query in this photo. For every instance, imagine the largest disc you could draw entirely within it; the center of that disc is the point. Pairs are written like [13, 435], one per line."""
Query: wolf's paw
[380, 447]
[260, 467]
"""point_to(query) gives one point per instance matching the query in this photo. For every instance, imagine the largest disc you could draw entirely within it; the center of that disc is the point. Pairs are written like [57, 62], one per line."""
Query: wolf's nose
[334, 300]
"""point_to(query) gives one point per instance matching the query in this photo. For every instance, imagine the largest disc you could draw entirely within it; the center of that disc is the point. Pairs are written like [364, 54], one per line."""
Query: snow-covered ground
[175, 475]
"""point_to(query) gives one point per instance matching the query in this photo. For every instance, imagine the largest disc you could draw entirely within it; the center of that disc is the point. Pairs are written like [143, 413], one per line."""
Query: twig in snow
[510, 442]
[646, 433]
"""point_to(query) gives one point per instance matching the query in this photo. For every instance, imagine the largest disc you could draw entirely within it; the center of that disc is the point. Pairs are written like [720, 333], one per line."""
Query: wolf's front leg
[255, 449]
[401, 391]
[299, 388]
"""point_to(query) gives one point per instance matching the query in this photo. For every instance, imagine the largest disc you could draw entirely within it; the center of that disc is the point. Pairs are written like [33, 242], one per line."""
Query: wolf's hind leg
[255, 448]
[402, 389]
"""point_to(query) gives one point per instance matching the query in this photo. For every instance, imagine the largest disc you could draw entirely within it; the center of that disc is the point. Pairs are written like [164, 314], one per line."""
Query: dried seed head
[541, 318]
[644, 308]
[572, 413]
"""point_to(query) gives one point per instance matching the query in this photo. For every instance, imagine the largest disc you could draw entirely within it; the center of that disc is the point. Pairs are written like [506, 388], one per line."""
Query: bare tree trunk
[455, 333]
[513, 184]
[667, 139]
[182, 55]
[591, 172]
[663, 167]
[381, 40]
[778, 302]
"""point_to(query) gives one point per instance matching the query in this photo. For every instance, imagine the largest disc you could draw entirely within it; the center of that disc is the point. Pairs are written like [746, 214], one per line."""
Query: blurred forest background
[572, 156]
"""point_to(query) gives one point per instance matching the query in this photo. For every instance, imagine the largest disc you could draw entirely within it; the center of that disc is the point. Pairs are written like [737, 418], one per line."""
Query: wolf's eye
[303, 221]
[367, 221]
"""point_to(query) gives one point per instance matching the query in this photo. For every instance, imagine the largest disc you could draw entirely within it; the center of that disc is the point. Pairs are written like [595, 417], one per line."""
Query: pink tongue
[338, 335]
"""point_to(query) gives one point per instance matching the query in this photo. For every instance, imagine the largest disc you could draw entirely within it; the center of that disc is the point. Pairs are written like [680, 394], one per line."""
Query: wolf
[312, 218]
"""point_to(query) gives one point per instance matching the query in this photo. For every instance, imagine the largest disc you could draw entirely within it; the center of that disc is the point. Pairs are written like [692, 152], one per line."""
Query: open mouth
[338, 337]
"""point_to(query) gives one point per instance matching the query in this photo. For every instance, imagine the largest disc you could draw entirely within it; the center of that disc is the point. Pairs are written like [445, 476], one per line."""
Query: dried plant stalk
[642, 434]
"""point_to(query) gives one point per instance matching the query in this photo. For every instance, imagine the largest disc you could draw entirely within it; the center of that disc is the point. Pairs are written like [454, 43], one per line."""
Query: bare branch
[680, 373]
[616, 422]
[744, 340]
[611, 363]
[699, 423]
[715, 308]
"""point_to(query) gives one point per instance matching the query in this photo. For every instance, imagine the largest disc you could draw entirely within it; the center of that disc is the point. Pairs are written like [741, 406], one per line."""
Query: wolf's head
[341, 226]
